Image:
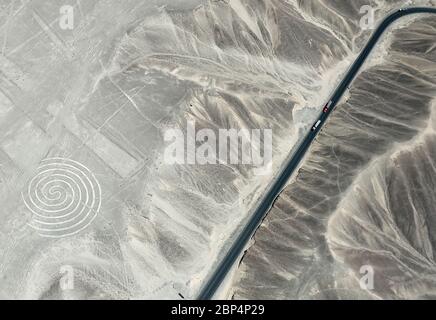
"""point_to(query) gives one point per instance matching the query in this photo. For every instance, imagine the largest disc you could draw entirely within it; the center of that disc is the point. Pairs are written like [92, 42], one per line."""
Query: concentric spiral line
[64, 198]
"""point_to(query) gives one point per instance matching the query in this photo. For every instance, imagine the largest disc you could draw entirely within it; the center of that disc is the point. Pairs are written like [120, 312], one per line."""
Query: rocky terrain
[364, 197]
[89, 207]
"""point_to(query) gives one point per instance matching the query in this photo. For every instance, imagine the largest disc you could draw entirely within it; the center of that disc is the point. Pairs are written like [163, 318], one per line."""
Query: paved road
[240, 243]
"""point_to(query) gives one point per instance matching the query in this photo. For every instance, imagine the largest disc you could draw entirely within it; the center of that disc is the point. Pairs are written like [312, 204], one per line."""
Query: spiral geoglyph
[64, 197]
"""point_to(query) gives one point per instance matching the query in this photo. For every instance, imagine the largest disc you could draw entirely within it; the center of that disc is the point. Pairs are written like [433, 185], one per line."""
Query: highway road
[277, 186]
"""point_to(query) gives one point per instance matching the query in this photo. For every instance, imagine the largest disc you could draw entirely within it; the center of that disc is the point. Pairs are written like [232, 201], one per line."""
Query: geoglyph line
[64, 198]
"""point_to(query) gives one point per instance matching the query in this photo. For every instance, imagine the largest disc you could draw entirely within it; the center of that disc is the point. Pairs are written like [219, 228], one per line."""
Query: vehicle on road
[327, 107]
[316, 125]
